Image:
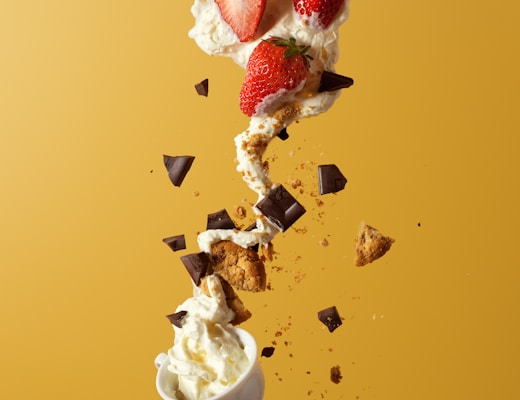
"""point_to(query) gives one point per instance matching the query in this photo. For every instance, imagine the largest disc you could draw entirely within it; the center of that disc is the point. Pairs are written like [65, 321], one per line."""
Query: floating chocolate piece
[283, 134]
[202, 88]
[330, 318]
[197, 265]
[176, 318]
[177, 167]
[281, 208]
[220, 220]
[177, 242]
[330, 179]
[331, 81]
[267, 352]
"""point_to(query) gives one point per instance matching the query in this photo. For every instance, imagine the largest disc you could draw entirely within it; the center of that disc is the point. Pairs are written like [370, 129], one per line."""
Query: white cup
[250, 386]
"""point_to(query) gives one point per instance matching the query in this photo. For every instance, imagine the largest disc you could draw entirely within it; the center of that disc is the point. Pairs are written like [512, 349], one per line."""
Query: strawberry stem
[293, 49]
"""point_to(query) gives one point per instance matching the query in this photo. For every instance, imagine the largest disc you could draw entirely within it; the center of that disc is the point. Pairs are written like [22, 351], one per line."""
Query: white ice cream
[207, 354]
[216, 38]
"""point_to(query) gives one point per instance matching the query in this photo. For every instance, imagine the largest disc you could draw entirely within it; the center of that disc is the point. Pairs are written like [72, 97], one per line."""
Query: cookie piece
[232, 300]
[239, 266]
[370, 245]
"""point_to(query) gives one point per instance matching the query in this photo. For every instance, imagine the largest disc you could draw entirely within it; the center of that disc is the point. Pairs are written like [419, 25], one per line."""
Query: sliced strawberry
[243, 16]
[317, 13]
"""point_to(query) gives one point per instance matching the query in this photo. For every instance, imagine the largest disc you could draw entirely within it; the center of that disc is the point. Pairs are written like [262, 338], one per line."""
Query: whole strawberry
[277, 68]
[317, 13]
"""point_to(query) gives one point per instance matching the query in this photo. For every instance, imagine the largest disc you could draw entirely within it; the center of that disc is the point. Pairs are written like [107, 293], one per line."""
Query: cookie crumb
[335, 374]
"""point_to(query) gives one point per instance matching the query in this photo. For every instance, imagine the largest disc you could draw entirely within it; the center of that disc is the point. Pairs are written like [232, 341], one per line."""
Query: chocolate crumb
[330, 317]
[335, 374]
[176, 318]
[267, 351]
[177, 242]
[202, 87]
[283, 134]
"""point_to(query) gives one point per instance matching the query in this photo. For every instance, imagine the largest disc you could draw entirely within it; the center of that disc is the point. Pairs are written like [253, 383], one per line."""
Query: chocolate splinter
[177, 167]
[177, 242]
[202, 87]
[197, 265]
[330, 179]
[283, 134]
[176, 318]
[220, 220]
[267, 351]
[330, 317]
[281, 208]
[331, 82]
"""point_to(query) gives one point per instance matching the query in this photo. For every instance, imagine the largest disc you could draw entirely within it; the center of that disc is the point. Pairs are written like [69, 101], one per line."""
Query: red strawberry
[276, 68]
[317, 13]
[243, 16]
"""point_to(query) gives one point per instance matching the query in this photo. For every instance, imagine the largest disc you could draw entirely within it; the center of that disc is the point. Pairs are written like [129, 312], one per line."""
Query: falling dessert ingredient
[330, 318]
[370, 245]
[335, 374]
[202, 87]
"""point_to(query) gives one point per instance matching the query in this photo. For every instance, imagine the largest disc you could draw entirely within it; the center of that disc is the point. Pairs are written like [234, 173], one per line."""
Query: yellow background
[93, 93]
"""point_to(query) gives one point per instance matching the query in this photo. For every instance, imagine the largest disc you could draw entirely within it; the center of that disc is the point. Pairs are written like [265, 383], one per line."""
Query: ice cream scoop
[249, 386]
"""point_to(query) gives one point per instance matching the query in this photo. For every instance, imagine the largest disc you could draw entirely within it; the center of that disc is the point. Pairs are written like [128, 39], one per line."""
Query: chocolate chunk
[197, 265]
[335, 374]
[220, 220]
[251, 227]
[330, 179]
[175, 243]
[177, 167]
[283, 134]
[267, 352]
[281, 208]
[330, 318]
[331, 81]
[202, 88]
[176, 318]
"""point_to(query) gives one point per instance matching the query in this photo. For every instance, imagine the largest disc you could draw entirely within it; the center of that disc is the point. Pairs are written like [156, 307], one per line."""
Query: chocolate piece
[177, 242]
[335, 374]
[330, 179]
[176, 318]
[197, 265]
[331, 81]
[202, 88]
[267, 352]
[281, 208]
[177, 167]
[283, 134]
[220, 220]
[330, 318]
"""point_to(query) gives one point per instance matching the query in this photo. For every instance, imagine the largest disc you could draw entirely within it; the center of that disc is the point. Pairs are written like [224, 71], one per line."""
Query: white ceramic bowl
[250, 386]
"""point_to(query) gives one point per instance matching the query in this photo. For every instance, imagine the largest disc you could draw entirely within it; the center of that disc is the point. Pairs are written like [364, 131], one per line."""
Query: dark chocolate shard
[177, 167]
[197, 265]
[220, 220]
[330, 179]
[281, 208]
[177, 242]
[176, 318]
[330, 318]
[331, 82]
[267, 351]
[283, 134]
[202, 88]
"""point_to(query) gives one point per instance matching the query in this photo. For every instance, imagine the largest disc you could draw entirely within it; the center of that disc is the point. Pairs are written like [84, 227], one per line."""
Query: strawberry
[317, 13]
[276, 69]
[243, 16]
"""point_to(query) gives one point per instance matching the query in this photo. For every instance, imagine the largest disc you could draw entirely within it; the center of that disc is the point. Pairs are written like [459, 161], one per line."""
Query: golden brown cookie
[370, 245]
[239, 266]
[232, 300]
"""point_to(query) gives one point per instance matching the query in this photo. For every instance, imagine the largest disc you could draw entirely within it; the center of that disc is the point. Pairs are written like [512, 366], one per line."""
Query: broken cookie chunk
[370, 245]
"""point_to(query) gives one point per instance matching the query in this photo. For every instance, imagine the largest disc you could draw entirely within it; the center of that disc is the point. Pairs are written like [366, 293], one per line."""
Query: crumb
[370, 245]
[267, 352]
[196, 193]
[324, 242]
[335, 374]
[239, 211]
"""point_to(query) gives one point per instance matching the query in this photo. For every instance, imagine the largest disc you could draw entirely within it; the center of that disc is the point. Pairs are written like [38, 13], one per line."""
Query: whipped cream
[207, 355]
[216, 38]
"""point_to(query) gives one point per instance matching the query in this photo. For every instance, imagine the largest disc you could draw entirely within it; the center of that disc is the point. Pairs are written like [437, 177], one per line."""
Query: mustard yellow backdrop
[93, 93]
